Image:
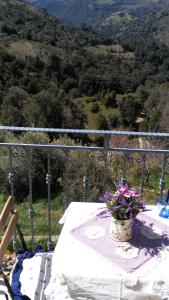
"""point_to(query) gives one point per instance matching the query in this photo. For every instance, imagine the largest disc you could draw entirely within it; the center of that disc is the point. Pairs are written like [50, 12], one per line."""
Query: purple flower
[106, 197]
[134, 192]
[125, 203]
[122, 188]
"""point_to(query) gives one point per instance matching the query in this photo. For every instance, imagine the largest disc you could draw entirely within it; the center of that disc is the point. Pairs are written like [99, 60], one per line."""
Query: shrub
[102, 123]
[5, 56]
[8, 29]
[114, 121]
[110, 100]
[95, 108]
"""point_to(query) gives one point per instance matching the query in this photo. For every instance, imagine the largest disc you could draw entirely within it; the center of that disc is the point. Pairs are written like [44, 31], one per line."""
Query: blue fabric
[16, 285]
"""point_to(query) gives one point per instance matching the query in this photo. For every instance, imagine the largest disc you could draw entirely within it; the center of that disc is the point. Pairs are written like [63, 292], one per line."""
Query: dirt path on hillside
[143, 143]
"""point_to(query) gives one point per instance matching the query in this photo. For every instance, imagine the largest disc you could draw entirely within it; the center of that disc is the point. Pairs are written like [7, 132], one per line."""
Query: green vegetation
[46, 67]
[40, 216]
[106, 16]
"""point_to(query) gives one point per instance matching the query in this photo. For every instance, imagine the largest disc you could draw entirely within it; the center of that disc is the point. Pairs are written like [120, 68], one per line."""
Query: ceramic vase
[121, 230]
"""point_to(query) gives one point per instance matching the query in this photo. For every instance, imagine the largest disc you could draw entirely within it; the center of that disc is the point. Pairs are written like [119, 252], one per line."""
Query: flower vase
[121, 230]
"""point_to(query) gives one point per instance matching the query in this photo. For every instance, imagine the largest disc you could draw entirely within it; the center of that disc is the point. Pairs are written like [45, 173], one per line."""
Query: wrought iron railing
[79, 169]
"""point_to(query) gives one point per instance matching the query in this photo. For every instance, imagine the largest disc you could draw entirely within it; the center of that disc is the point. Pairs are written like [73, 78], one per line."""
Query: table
[80, 273]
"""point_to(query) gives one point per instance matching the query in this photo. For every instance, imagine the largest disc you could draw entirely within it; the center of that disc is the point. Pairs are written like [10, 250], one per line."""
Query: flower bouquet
[124, 205]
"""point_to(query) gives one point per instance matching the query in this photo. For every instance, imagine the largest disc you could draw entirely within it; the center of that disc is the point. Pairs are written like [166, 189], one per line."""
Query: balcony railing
[64, 165]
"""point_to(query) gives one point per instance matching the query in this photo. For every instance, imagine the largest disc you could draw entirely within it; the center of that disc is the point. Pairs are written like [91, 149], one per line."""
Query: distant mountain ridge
[152, 27]
[106, 16]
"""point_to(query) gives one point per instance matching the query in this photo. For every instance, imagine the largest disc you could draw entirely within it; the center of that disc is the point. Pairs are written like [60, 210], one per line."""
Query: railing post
[48, 182]
[11, 173]
[66, 184]
[86, 177]
[31, 210]
[11, 182]
[143, 164]
[84, 187]
[162, 182]
[105, 170]
[124, 170]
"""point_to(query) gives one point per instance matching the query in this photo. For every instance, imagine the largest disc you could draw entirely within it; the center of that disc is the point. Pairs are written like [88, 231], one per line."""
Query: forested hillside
[107, 16]
[154, 26]
[53, 75]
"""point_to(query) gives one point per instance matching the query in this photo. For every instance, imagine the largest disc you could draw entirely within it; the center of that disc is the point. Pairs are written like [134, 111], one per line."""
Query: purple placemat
[107, 247]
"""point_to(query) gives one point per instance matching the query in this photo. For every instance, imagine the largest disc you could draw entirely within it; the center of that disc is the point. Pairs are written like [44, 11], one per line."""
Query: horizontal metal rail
[85, 131]
[67, 147]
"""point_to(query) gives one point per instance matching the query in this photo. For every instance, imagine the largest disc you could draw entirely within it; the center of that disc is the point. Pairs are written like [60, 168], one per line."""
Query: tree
[69, 83]
[110, 99]
[130, 110]
[38, 168]
[44, 110]
[6, 56]
[95, 107]
[102, 123]
[49, 108]
[12, 107]
[114, 121]
[8, 29]
[53, 62]
[142, 94]
[67, 171]
[72, 116]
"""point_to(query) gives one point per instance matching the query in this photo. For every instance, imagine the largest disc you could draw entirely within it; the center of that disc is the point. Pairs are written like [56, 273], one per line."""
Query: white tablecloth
[3, 291]
[79, 273]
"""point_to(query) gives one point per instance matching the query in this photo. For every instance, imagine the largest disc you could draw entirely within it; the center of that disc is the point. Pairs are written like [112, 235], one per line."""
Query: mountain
[106, 16]
[55, 75]
[151, 27]
[45, 62]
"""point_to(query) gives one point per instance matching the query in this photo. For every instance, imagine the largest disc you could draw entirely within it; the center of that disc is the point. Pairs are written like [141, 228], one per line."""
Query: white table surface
[80, 273]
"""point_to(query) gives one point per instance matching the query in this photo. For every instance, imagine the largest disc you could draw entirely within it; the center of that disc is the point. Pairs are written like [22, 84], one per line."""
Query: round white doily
[94, 232]
[127, 251]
